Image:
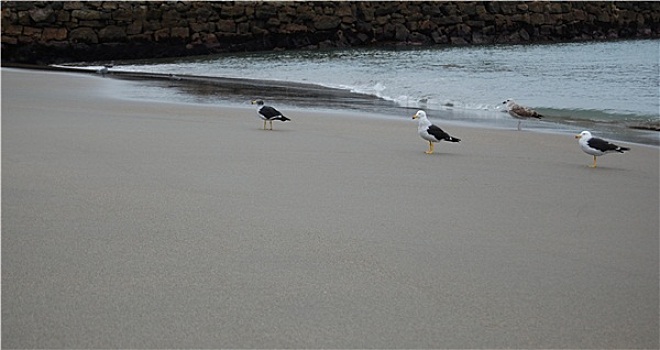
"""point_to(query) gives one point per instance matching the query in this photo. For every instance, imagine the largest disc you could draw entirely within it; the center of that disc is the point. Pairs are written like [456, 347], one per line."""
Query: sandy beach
[141, 224]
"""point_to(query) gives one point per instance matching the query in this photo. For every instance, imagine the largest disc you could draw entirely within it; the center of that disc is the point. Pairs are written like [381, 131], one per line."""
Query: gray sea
[610, 88]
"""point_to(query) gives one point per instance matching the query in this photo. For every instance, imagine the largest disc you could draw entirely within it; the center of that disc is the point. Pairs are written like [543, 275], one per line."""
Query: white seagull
[268, 113]
[430, 132]
[597, 147]
[105, 69]
[520, 112]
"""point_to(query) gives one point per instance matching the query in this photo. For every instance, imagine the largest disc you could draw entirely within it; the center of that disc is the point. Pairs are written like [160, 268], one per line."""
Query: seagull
[597, 147]
[430, 132]
[520, 112]
[268, 113]
[105, 69]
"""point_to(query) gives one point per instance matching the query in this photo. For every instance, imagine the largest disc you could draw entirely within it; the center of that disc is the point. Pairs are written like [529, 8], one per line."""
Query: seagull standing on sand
[268, 113]
[430, 132]
[597, 147]
[520, 112]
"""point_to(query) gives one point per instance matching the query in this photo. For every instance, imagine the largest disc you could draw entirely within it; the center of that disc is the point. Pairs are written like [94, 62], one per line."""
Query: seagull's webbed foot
[430, 151]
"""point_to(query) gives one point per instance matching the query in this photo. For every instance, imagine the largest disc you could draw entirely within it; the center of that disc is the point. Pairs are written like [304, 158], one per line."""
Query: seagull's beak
[253, 102]
[415, 116]
[578, 136]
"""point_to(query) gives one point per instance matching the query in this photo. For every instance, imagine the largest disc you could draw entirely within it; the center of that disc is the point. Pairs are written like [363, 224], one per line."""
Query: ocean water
[611, 88]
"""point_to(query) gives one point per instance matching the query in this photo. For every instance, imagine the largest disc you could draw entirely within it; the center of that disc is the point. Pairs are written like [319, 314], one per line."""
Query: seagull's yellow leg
[430, 148]
[264, 125]
[271, 124]
[594, 162]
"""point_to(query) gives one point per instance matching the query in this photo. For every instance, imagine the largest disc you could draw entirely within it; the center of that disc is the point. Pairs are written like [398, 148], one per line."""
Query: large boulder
[327, 22]
[112, 34]
[83, 35]
[44, 14]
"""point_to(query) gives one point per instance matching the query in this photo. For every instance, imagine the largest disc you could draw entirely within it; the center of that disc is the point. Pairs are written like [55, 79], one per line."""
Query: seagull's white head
[419, 114]
[583, 135]
[509, 102]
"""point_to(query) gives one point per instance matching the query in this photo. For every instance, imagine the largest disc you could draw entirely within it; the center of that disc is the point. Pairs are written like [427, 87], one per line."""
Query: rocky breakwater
[59, 31]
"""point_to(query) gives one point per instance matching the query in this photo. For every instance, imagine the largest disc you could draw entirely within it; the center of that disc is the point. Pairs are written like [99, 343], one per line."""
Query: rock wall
[57, 31]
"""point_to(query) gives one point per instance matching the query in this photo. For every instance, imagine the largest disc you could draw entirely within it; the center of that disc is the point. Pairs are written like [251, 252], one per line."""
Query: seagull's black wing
[604, 146]
[440, 134]
[269, 112]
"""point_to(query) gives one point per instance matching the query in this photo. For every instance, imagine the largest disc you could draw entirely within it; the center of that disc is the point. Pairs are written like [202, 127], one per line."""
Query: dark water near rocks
[610, 88]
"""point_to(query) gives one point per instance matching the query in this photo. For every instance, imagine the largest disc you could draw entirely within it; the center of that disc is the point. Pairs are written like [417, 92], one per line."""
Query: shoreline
[141, 224]
[199, 89]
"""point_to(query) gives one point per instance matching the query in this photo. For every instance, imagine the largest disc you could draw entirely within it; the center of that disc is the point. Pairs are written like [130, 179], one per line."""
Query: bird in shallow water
[105, 69]
[597, 147]
[520, 112]
[268, 113]
[430, 132]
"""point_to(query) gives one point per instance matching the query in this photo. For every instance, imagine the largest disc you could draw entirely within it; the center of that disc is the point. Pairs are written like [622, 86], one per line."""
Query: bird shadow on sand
[274, 130]
[602, 168]
[441, 154]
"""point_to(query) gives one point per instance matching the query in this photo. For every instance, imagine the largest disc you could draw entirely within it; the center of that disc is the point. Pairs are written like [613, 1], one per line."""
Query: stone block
[134, 28]
[13, 30]
[45, 14]
[112, 33]
[54, 34]
[32, 31]
[87, 15]
[72, 5]
[343, 10]
[555, 7]
[140, 38]
[92, 24]
[83, 35]
[226, 26]
[326, 23]
[63, 16]
[401, 33]
[457, 40]
[122, 15]
[180, 33]
[11, 40]
[24, 39]
[197, 27]
[295, 28]
[234, 10]
[24, 18]
[536, 6]
[417, 37]
[162, 34]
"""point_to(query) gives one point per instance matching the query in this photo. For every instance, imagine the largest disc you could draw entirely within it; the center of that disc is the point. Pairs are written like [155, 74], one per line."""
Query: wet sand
[140, 224]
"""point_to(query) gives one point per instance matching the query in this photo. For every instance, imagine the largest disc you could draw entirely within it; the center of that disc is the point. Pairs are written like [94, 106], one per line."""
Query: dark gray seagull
[520, 112]
[268, 113]
[430, 132]
[597, 147]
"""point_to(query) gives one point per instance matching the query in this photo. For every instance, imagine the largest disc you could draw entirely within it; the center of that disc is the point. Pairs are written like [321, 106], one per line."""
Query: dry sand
[139, 224]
